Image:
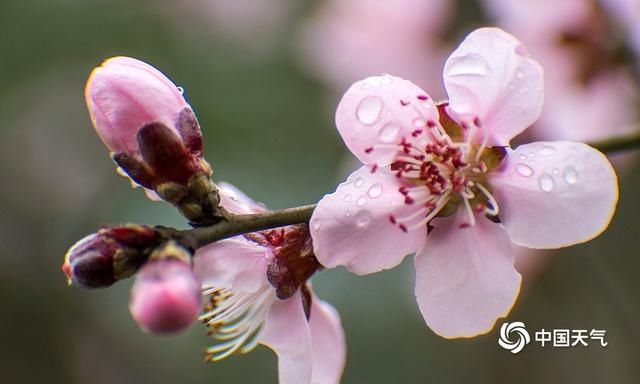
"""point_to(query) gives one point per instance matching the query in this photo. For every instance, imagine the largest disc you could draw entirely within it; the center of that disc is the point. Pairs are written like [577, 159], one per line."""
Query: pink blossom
[440, 180]
[246, 309]
[343, 41]
[165, 297]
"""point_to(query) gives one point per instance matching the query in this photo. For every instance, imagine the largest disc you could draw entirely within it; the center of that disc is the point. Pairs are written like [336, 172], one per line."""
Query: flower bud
[165, 297]
[154, 136]
[112, 254]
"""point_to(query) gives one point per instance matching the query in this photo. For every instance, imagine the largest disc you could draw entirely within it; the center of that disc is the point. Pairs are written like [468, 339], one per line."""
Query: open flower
[252, 301]
[440, 180]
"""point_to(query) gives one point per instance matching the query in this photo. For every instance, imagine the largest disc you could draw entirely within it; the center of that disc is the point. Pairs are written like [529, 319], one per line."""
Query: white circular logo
[513, 337]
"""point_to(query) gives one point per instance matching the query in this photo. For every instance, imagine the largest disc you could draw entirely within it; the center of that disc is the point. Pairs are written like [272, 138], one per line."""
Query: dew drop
[524, 170]
[347, 197]
[532, 162]
[555, 171]
[570, 175]
[519, 74]
[471, 64]
[368, 110]
[547, 150]
[546, 182]
[532, 154]
[375, 191]
[348, 213]
[362, 200]
[316, 225]
[180, 90]
[359, 182]
[523, 156]
[363, 218]
[389, 132]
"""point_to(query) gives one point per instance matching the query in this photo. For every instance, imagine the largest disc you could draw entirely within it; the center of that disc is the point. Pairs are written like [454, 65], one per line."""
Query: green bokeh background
[269, 130]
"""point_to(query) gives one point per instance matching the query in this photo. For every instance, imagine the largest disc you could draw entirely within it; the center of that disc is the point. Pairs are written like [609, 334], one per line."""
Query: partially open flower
[109, 255]
[153, 134]
[165, 297]
[258, 294]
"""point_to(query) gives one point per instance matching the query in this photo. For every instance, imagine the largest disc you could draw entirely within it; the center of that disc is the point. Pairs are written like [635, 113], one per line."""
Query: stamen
[236, 320]
[494, 210]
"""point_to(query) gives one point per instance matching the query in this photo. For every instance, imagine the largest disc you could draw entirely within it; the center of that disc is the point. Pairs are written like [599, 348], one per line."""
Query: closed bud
[165, 298]
[112, 254]
[154, 136]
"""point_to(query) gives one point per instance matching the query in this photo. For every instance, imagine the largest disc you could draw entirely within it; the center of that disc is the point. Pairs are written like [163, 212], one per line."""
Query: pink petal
[123, 94]
[555, 194]
[286, 332]
[328, 342]
[351, 227]
[490, 76]
[236, 263]
[236, 201]
[380, 111]
[465, 279]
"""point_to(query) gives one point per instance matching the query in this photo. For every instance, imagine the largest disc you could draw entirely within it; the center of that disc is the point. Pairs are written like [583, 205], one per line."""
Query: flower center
[439, 173]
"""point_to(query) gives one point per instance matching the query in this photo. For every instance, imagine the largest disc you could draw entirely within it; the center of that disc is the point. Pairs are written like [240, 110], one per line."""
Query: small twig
[239, 224]
[618, 143]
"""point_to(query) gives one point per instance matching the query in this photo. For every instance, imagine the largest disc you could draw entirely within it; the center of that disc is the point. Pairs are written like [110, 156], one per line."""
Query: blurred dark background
[268, 126]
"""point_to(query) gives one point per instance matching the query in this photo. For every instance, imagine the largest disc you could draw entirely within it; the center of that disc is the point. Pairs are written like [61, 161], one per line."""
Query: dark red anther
[409, 200]
[477, 122]
[374, 168]
[404, 103]
[368, 150]
[403, 228]
[423, 97]
[416, 133]
[392, 219]
[431, 123]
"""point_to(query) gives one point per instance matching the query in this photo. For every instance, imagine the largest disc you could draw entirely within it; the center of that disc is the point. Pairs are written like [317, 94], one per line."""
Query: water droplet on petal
[362, 200]
[386, 79]
[389, 132]
[348, 213]
[570, 175]
[524, 170]
[547, 150]
[363, 218]
[359, 182]
[347, 197]
[523, 156]
[555, 171]
[471, 64]
[546, 182]
[180, 90]
[316, 225]
[532, 154]
[375, 191]
[532, 162]
[519, 74]
[368, 110]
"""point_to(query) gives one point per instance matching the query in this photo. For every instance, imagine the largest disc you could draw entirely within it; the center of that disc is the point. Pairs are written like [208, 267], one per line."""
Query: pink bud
[123, 95]
[143, 119]
[165, 297]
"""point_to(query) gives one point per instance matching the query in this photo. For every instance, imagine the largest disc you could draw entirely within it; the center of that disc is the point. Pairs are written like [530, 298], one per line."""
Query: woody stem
[235, 225]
